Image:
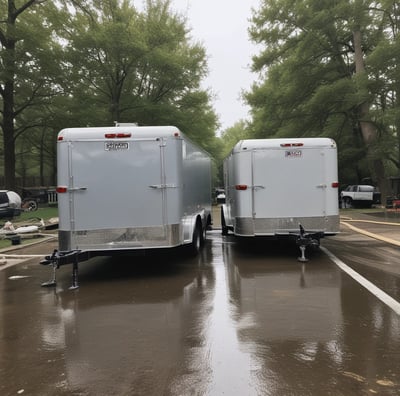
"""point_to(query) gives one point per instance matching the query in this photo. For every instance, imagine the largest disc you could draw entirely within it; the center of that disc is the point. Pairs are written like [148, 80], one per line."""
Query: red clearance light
[61, 189]
[60, 138]
[292, 144]
[176, 134]
[117, 135]
[335, 184]
[241, 187]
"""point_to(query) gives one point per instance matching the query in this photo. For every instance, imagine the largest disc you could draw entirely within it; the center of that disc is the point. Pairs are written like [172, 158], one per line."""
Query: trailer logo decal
[115, 146]
[293, 153]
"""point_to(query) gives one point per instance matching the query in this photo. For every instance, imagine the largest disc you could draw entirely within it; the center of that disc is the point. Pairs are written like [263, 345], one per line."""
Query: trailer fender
[189, 225]
[224, 215]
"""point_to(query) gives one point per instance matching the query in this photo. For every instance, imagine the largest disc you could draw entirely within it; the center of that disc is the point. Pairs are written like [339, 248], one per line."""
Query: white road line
[385, 298]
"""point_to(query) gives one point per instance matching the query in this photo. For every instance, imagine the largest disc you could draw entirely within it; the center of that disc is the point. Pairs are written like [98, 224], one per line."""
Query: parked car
[220, 195]
[39, 194]
[33, 196]
[10, 204]
[360, 195]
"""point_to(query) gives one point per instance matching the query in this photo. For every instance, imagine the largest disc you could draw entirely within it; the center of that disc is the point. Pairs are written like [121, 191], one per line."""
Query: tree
[382, 64]
[26, 66]
[92, 62]
[233, 134]
[317, 79]
[132, 66]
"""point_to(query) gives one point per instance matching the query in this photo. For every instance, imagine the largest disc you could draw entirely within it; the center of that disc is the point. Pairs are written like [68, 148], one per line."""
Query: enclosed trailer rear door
[116, 184]
[288, 183]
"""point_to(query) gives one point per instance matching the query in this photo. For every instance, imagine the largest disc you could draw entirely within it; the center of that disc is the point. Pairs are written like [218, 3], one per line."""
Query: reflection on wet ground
[315, 332]
[242, 318]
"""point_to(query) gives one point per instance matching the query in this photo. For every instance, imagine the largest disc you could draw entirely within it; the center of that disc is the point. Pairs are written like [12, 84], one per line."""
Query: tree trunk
[8, 124]
[368, 129]
[41, 157]
[8, 41]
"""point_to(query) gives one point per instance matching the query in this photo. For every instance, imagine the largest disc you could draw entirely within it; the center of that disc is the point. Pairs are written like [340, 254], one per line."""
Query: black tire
[208, 226]
[223, 223]
[196, 244]
[203, 236]
[348, 202]
[30, 206]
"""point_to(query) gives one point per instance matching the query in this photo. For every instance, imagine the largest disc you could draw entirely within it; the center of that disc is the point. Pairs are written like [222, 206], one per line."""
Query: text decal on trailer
[293, 153]
[114, 146]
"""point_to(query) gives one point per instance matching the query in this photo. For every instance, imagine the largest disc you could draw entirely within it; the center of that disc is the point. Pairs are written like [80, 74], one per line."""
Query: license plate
[116, 146]
[293, 154]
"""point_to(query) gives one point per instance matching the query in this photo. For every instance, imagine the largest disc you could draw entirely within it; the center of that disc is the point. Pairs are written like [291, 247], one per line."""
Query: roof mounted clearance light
[241, 187]
[117, 135]
[292, 144]
[61, 189]
[60, 138]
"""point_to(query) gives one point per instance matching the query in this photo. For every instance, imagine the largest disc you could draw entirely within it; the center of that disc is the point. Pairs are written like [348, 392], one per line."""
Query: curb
[370, 234]
[26, 245]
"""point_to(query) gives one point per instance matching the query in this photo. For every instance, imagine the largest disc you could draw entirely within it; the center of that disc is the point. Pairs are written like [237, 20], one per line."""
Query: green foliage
[232, 135]
[29, 74]
[310, 86]
[93, 62]
[43, 212]
[138, 67]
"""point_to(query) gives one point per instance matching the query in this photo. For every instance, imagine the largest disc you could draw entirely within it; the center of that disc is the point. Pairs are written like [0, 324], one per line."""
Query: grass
[362, 210]
[379, 212]
[45, 213]
[27, 218]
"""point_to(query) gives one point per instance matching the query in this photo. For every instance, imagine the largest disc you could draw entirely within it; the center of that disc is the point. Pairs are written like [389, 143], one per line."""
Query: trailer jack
[306, 239]
[61, 258]
[51, 260]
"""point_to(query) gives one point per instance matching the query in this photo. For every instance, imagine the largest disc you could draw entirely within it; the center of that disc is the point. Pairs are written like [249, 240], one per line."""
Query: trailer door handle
[163, 186]
[77, 189]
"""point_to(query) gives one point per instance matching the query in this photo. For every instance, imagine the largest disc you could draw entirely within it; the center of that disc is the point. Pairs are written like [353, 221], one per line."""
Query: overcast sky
[221, 26]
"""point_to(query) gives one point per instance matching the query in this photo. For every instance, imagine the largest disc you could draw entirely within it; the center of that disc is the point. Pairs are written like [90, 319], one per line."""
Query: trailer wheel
[223, 223]
[195, 246]
[203, 236]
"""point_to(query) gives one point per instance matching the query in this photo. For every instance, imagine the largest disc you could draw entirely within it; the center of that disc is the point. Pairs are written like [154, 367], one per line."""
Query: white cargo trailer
[282, 187]
[127, 188]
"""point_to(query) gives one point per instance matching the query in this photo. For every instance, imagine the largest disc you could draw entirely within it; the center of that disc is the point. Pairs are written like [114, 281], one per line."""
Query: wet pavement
[240, 319]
